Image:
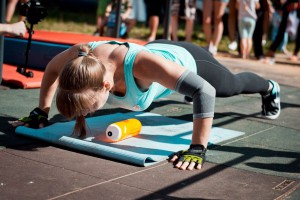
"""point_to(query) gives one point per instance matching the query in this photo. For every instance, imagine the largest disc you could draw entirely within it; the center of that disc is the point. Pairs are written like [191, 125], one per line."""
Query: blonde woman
[132, 76]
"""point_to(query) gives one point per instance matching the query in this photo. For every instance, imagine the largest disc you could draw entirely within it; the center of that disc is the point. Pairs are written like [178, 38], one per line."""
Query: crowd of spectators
[250, 23]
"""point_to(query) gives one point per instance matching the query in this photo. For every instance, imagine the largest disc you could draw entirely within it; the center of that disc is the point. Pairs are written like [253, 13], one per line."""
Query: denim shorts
[246, 27]
[224, 1]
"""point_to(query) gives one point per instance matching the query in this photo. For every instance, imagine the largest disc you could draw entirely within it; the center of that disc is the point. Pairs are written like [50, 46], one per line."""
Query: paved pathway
[262, 164]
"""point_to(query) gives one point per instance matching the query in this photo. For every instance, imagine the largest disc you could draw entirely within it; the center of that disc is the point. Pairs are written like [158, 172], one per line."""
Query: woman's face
[100, 99]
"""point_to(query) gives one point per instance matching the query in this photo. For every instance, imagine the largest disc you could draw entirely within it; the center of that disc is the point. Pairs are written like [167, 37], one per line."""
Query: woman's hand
[190, 159]
[36, 119]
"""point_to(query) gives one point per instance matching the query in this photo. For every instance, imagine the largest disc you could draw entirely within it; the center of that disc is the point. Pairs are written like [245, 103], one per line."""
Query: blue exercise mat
[160, 137]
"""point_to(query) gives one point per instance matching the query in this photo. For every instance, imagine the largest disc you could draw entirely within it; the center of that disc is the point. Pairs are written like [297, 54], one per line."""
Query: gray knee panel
[203, 94]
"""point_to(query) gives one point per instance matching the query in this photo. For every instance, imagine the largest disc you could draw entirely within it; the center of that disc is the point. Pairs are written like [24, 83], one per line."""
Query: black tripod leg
[23, 70]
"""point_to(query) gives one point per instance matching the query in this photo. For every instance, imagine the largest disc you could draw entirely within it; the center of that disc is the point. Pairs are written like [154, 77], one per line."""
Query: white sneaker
[232, 46]
[213, 49]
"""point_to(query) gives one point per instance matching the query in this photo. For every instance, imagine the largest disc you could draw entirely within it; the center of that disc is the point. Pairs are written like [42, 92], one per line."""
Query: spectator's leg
[174, 19]
[130, 23]
[174, 27]
[189, 27]
[10, 9]
[232, 19]
[219, 10]
[207, 11]
[252, 23]
[153, 25]
[154, 10]
[101, 19]
[280, 34]
[297, 47]
[257, 36]
[243, 40]
[190, 12]
[294, 57]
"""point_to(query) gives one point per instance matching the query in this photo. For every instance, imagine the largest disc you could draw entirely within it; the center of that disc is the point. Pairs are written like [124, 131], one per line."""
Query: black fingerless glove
[36, 117]
[196, 153]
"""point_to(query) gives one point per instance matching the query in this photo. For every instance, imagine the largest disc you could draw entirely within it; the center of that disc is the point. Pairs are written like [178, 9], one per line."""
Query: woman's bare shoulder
[113, 53]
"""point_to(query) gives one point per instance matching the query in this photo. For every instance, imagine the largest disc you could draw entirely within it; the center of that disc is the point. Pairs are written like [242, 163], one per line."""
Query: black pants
[258, 35]
[226, 83]
[297, 47]
[282, 27]
[155, 8]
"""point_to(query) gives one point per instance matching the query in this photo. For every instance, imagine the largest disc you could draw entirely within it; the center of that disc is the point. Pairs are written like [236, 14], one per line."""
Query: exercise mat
[160, 136]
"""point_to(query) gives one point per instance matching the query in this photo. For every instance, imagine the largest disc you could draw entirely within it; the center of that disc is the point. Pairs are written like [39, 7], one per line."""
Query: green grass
[84, 21]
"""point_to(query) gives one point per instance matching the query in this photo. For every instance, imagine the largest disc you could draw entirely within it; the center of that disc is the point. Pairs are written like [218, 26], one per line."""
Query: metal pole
[2, 20]
[118, 19]
[167, 19]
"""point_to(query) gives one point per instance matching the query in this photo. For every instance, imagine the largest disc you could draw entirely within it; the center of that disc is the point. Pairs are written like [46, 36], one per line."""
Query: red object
[11, 76]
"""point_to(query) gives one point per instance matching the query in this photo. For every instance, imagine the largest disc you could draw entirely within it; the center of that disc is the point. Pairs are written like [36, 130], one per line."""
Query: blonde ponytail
[79, 81]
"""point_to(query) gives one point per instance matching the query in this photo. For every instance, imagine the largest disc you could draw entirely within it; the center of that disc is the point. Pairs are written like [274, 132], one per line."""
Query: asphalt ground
[262, 164]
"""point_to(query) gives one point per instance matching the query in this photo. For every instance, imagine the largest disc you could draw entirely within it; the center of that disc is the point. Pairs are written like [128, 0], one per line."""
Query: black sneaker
[188, 100]
[271, 102]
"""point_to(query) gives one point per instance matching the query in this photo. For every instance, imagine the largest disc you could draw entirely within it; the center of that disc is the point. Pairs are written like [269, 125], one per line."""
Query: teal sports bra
[136, 99]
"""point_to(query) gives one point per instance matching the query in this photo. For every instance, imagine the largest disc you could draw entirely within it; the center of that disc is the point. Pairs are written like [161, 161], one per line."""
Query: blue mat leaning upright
[160, 137]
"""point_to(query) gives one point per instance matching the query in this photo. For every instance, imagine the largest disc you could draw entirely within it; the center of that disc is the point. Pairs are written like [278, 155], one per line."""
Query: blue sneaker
[271, 102]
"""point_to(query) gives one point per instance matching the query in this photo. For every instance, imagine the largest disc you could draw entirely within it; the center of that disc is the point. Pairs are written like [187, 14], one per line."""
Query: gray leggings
[225, 83]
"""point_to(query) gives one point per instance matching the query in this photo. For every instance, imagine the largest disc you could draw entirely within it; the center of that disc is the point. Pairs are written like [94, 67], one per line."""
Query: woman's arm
[50, 82]
[48, 88]
[50, 78]
[150, 68]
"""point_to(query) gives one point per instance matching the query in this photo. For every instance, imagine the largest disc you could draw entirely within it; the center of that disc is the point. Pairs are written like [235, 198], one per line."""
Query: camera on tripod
[34, 12]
